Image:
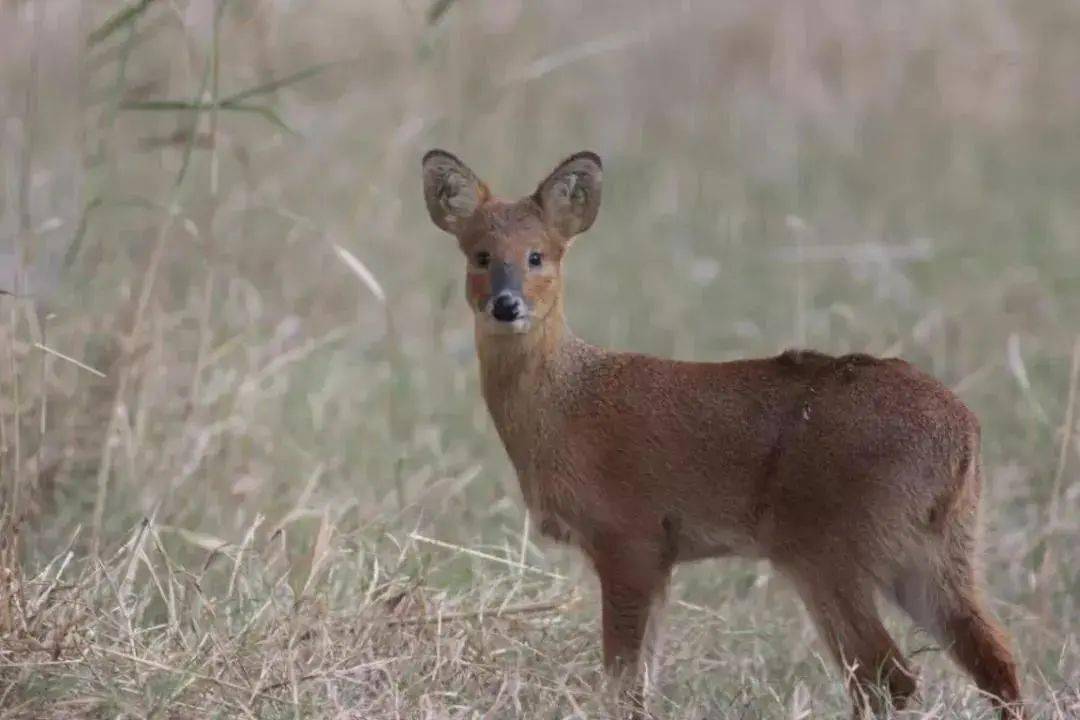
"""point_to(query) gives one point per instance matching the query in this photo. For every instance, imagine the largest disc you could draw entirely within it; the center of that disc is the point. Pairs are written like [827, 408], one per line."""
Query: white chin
[498, 327]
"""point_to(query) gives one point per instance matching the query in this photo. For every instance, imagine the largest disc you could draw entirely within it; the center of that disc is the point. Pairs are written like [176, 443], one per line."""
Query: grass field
[238, 480]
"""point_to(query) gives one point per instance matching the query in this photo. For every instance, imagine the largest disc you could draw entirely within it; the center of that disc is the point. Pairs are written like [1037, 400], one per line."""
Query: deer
[853, 476]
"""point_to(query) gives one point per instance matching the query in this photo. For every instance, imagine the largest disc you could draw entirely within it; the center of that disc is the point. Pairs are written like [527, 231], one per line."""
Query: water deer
[853, 475]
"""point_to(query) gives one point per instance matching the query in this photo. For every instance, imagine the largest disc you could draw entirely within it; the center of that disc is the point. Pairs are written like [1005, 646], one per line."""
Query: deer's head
[513, 250]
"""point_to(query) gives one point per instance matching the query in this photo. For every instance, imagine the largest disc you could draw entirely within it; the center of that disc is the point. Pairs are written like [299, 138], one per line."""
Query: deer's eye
[483, 258]
[535, 259]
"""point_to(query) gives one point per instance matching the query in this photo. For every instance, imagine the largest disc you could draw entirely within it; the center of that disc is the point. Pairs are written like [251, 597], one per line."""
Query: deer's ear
[451, 190]
[570, 196]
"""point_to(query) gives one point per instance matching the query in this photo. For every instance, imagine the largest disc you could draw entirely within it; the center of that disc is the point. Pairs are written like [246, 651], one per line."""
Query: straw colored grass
[245, 470]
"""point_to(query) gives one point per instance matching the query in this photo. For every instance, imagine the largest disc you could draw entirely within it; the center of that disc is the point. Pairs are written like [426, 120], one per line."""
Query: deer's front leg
[633, 581]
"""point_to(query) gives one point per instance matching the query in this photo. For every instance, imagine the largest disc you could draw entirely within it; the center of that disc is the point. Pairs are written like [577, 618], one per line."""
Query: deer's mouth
[517, 326]
[506, 314]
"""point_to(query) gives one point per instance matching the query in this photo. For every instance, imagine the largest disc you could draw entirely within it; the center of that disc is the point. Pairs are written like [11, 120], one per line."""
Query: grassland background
[225, 524]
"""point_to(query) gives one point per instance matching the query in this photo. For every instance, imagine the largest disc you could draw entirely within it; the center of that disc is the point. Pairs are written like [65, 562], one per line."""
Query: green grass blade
[124, 17]
[190, 106]
[164, 105]
[437, 10]
[272, 85]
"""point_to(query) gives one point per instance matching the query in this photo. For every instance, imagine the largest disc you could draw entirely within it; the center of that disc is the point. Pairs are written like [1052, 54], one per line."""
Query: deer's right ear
[451, 190]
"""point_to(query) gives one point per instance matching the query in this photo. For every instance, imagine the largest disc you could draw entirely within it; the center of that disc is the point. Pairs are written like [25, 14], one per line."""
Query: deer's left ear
[570, 196]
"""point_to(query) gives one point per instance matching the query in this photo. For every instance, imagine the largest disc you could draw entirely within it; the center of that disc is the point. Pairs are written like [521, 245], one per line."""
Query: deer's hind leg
[941, 589]
[944, 598]
[841, 602]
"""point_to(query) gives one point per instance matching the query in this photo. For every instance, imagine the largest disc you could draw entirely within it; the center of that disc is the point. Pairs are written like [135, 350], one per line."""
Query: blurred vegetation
[263, 431]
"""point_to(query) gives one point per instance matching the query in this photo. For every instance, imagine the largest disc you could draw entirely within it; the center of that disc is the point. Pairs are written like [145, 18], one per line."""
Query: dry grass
[237, 386]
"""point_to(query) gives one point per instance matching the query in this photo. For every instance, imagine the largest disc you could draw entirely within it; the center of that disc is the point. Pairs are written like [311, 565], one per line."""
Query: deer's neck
[522, 376]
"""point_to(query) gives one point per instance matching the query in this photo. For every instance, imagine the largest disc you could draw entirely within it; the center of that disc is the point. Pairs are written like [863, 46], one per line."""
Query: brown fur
[852, 474]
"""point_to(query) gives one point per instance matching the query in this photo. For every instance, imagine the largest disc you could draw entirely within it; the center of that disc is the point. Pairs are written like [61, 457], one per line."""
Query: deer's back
[751, 456]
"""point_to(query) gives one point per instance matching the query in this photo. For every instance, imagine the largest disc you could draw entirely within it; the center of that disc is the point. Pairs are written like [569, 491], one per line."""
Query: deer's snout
[507, 307]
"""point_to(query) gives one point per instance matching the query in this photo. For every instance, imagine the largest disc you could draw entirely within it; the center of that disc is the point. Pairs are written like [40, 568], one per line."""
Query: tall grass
[245, 468]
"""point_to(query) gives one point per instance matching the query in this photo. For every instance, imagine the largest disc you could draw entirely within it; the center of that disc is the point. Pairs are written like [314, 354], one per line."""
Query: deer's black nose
[506, 308]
